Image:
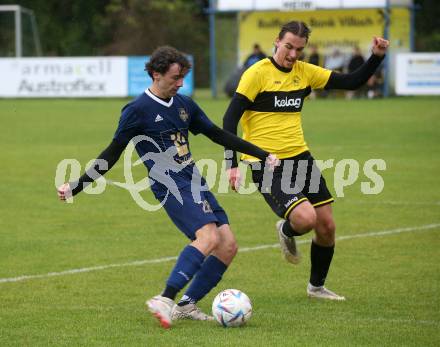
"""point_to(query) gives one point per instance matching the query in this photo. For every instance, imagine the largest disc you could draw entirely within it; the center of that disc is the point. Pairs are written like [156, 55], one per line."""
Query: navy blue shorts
[192, 215]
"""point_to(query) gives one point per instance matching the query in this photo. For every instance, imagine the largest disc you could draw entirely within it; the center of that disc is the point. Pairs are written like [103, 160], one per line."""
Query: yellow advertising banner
[331, 29]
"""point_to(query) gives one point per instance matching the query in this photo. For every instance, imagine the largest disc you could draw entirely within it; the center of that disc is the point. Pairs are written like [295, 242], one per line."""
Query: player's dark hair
[163, 57]
[296, 28]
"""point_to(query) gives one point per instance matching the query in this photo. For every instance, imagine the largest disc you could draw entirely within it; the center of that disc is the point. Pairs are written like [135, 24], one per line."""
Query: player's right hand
[380, 46]
[234, 177]
[64, 192]
[272, 161]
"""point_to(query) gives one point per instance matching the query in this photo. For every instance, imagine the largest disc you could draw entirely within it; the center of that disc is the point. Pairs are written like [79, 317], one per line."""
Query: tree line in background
[427, 27]
[137, 27]
[122, 27]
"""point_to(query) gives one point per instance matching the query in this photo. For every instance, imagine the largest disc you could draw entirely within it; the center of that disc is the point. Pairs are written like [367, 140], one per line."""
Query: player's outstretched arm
[105, 161]
[235, 143]
[229, 140]
[236, 108]
[360, 76]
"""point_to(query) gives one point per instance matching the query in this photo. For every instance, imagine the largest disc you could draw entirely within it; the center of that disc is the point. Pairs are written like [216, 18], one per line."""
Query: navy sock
[288, 230]
[207, 278]
[189, 262]
[321, 257]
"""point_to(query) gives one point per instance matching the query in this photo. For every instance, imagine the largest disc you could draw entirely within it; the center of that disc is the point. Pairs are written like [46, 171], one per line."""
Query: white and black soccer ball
[231, 308]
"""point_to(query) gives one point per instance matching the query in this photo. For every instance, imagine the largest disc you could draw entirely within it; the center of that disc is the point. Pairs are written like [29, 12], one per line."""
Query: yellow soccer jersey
[273, 121]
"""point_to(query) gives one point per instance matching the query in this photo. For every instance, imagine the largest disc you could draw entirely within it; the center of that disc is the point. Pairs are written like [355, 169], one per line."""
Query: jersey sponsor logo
[158, 118]
[181, 144]
[290, 202]
[286, 102]
[280, 101]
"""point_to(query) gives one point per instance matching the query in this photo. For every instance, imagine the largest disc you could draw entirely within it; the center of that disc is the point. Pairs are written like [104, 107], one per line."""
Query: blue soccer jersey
[160, 131]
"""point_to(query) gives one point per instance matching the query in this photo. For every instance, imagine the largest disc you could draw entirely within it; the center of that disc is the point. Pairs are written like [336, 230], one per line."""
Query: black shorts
[296, 180]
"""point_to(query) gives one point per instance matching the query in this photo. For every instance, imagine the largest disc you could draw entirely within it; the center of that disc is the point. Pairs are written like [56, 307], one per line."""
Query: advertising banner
[331, 29]
[63, 77]
[258, 5]
[418, 74]
[139, 80]
[85, 77]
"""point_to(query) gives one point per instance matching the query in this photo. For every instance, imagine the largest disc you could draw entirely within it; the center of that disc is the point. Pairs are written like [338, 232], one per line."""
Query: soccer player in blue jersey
[159, 122]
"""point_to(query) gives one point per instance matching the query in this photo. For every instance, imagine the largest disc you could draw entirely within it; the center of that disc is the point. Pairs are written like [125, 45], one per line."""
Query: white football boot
[189, 311]
[161, 308]
[288, 245]
[322, 293]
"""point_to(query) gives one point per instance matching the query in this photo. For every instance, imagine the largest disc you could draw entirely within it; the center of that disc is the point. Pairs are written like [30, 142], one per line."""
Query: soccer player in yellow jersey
[268, 102]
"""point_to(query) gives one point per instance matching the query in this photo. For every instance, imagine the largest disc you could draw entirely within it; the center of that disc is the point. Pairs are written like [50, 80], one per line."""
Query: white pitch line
[243, 249]
[86, 269]
[403, 203]
[255, 196]
[348, 237]
[345, 318]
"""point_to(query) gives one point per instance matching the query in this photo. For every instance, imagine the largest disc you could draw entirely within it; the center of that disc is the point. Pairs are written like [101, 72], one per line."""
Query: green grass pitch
[386, 262]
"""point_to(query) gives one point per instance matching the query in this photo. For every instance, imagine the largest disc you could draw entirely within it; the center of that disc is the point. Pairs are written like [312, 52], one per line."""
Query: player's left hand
[272, 161]
[380, 46]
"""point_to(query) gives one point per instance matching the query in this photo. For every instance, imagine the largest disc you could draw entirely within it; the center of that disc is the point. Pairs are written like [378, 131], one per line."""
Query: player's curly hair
[163, 57]
[297, 28]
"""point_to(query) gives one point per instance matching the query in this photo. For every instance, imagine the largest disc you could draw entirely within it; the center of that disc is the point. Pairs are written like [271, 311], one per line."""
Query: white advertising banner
[63, 77]
[264, 5]
[418, 74]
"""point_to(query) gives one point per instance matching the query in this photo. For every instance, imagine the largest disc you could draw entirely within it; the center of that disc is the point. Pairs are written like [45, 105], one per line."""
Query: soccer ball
[231, 308]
